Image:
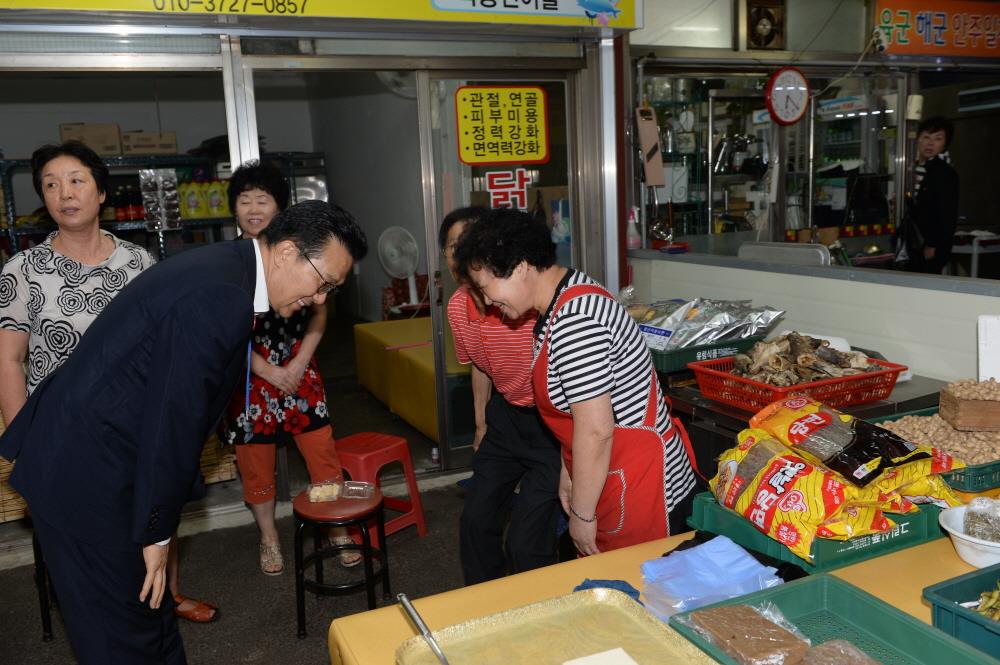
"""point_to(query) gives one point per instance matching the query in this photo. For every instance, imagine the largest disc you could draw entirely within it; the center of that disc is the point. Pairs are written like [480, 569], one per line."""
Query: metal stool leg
[366, 541]
[300, 591]
[318, 537]
[383, 554]
[41, 583]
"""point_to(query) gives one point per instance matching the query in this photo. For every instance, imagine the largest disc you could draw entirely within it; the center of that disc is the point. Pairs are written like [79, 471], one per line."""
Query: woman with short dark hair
[286, 397]
[51, 293]
[626, 476]
[935, 186]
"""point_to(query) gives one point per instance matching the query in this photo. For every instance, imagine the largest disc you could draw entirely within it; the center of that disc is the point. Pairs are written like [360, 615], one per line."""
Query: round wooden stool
[342, 512]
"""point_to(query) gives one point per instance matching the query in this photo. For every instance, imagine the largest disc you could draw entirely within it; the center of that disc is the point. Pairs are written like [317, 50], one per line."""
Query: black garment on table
[935, 213]
[517, 448]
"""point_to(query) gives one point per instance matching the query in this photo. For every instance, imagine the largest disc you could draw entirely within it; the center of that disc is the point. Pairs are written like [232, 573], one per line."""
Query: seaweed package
[856, 449]
[789, 499]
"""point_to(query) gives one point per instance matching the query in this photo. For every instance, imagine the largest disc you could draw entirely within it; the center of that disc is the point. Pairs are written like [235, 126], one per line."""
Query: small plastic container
[328, 490]
[356, 489]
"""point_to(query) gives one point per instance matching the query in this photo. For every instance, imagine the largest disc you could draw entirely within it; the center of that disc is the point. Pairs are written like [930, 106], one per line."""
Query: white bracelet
[581, 517]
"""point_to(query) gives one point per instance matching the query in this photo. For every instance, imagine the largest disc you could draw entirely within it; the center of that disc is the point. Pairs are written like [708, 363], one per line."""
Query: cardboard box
[149, 143]
[102, 137]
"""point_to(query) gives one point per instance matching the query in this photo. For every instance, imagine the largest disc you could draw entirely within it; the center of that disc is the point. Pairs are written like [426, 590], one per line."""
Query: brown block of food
[838, 652]
[750, 638]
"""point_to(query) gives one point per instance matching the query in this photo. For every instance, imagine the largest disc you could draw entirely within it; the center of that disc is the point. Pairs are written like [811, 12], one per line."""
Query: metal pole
[810, 183]
[711, 165]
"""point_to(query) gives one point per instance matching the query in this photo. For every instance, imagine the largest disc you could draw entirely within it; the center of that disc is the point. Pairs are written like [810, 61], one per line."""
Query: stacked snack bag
[805, 471]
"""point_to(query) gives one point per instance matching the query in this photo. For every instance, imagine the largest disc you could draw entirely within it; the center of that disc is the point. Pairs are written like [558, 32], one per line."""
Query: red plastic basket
[716, 381]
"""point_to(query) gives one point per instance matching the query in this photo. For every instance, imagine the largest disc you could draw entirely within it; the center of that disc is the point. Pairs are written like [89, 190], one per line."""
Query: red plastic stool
[364, 454]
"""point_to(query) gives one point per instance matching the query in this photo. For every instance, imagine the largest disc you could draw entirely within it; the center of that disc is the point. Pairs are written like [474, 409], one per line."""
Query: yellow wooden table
[371, 638]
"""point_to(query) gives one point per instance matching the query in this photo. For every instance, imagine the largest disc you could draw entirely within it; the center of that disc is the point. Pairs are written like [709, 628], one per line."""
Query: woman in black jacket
[935, 196]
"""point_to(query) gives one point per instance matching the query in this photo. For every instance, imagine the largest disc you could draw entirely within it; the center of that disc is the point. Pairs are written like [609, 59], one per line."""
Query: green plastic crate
[961, 622]
[678, 359]
[826, 608]
[978, 478]
[910, 530]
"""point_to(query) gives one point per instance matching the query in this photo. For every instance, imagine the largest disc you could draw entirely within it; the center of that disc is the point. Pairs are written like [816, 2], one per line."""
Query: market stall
[373, 637]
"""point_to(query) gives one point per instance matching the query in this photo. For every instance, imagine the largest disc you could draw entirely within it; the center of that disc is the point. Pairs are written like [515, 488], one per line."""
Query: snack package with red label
[789, 499]
[857, 450]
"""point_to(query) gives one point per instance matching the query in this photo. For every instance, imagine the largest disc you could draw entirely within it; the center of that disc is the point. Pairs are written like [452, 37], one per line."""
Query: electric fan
[398, 253]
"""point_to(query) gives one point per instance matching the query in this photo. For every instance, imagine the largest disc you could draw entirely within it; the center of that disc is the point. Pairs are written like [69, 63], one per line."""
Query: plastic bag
[708, 573]
[837, 652]
[675, 324]
[856, 449]
[750, 635]
[982, 519]
[789, 499]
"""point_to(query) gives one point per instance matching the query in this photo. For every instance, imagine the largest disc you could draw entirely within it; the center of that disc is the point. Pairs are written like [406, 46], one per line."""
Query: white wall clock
[787, 95]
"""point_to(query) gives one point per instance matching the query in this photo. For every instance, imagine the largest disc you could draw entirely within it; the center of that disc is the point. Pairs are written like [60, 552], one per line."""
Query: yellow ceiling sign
[502, 124]
[620, 14]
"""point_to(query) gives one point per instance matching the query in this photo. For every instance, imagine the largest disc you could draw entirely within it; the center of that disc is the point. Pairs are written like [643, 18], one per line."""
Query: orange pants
[256, 463]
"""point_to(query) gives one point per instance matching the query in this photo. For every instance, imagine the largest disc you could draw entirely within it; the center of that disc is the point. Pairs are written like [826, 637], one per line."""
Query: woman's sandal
[348, 559]
[202, 612]
[271, 561]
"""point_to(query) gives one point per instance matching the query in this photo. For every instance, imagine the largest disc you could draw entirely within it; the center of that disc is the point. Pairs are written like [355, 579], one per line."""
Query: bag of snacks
[789, 499]
[856, 449]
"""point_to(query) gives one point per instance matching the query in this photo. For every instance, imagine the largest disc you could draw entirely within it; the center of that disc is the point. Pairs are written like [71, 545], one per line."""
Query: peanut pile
[970, 447]
[972, 389]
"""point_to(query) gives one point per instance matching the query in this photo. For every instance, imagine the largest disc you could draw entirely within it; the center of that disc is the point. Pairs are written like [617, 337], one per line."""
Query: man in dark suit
[107, 449]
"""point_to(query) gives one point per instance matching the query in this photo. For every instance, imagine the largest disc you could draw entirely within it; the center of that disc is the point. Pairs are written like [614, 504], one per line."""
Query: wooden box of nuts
[972, 406]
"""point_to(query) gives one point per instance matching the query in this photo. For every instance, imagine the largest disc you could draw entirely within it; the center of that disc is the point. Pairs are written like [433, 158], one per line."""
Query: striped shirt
[500, 348]
[594, 348]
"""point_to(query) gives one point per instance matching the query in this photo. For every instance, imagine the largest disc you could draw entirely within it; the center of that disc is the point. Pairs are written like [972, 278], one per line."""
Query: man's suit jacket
[107, 449]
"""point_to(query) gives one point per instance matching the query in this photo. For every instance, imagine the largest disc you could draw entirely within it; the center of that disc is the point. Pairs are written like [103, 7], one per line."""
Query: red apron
[632, 507]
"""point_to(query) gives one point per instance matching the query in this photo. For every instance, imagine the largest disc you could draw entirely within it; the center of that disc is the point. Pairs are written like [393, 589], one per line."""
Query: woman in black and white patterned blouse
[51, 293]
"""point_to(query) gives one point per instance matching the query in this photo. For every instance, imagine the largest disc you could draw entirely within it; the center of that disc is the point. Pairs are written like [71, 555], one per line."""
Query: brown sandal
[348, 559]
[202, 612]
[271, 561]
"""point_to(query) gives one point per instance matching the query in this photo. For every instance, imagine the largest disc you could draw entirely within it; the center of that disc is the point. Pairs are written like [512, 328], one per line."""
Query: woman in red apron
[627, 476]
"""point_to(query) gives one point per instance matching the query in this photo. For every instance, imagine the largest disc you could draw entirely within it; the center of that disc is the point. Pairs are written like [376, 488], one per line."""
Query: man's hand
[155, 583]
[929, 252]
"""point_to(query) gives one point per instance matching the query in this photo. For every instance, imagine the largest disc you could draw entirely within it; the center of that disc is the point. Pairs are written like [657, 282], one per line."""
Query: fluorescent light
[839, 115]
[890, 111]
[851, 115]
[695, 28]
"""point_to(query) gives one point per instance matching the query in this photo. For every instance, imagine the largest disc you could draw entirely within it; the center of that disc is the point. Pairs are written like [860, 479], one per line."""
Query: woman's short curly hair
[257, 175]
[501, 240]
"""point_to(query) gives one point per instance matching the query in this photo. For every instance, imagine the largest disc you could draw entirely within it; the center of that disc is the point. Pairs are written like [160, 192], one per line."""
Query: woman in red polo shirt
[512, 446]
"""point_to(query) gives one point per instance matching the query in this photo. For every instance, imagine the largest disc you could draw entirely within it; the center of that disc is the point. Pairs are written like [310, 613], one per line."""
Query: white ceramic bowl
[974, 551]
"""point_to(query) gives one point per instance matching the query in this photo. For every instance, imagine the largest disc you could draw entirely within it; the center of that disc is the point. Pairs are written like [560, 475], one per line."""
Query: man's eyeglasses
[326, 287]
